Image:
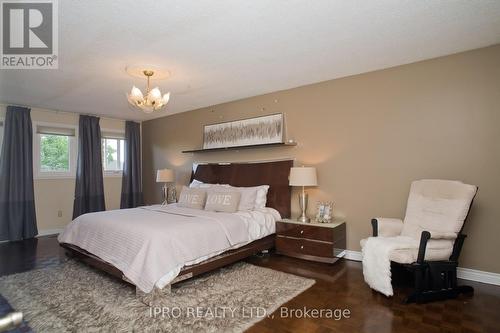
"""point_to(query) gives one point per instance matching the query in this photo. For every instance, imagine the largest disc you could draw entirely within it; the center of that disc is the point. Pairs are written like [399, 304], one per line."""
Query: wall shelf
[266, 145]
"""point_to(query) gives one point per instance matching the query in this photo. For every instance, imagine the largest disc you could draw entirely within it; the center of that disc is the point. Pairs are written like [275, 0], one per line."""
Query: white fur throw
[376, 262]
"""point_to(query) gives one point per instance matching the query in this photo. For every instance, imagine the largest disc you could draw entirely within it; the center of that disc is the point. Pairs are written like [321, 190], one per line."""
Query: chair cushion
[437, 249]
[437, 206]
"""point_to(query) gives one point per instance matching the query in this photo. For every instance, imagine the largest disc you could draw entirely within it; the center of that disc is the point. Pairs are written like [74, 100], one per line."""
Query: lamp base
[303, 219]
[164, 193]
[303, 198]
[169, 195]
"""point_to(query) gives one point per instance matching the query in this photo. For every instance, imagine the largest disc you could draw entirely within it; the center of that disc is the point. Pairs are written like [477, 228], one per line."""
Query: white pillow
[252, 197]
[261, 200]
[197, 184]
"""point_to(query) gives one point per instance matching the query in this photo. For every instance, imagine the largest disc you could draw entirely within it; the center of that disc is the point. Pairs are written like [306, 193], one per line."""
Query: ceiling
[218, 51]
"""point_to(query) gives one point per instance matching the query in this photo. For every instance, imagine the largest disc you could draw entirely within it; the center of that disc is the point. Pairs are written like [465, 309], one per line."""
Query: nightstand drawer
[287, 245]
[305, 231]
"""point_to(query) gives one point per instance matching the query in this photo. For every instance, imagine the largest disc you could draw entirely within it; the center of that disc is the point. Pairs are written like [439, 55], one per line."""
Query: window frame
[115, 135]
[73, 153]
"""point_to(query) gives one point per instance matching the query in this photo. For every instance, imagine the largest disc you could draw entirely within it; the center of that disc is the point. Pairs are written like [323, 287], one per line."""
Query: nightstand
[323, 242]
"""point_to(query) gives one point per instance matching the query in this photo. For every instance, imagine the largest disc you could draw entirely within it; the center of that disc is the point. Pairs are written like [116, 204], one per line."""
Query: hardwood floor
[338, 286]
[341, 286]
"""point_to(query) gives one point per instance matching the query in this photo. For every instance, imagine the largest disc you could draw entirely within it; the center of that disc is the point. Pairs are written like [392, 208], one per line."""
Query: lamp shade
[165, 176]
[303, 176]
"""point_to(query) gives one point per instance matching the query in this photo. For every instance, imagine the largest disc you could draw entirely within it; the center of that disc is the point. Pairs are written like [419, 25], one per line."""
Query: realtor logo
[29, 34]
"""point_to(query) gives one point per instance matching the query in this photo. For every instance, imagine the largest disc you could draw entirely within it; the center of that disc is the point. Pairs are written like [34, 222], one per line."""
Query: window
[113, 153]
[55, 151]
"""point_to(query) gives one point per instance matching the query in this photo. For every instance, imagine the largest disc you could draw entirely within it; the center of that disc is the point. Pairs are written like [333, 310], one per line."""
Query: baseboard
[462, 273]
[47, 232]
[44, 232]
[353, 255]
[478, 276]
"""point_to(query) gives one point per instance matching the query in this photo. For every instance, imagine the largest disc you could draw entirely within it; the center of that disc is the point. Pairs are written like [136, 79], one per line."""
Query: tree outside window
[112, 154]
[54, 152]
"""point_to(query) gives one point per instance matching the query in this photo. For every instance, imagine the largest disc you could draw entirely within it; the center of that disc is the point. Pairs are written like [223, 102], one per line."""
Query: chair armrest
[386, 227]
[424, 238]
[443, 235]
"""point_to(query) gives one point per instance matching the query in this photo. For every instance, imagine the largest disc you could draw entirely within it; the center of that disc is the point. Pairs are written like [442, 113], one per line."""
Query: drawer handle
[301, 232]
[302, 247]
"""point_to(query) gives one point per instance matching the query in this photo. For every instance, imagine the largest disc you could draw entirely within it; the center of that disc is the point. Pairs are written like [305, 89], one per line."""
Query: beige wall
[54, 195]
[369, 136]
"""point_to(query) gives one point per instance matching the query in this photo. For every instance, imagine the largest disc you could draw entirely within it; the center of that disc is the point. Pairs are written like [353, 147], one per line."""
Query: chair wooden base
[432, 281]
[438, 295]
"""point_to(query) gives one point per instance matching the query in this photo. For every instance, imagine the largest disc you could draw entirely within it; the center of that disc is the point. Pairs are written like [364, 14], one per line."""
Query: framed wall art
[246, 132]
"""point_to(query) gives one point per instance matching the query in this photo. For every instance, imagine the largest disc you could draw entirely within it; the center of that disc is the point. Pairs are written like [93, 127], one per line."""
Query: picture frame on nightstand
[324, 212]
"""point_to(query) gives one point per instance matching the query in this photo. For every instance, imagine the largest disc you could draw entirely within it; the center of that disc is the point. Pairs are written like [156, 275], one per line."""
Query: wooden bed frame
[274, 174]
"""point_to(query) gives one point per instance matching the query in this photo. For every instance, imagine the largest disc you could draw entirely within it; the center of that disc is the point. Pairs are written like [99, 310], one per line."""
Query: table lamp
[303, 176]
[167, 177]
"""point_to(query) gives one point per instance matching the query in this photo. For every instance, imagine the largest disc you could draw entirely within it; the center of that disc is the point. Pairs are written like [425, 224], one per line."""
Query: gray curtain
[89, 189]
[17, 199]
[131, 181]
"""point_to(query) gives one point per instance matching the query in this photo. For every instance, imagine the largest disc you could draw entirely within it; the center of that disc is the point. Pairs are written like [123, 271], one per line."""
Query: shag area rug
[73, 297]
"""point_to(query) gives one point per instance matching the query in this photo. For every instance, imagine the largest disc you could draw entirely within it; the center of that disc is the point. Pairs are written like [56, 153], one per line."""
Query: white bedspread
[151, 244]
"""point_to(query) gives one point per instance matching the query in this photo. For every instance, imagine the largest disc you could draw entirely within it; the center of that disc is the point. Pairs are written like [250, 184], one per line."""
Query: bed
[157, 246]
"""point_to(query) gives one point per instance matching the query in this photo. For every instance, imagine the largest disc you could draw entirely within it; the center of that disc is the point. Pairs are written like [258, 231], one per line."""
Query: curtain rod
[69, 112]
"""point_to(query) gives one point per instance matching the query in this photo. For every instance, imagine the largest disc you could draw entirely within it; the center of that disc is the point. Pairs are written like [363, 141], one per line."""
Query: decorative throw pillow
[247, 198]
[192, 198]
[223, 201]
[252, 197]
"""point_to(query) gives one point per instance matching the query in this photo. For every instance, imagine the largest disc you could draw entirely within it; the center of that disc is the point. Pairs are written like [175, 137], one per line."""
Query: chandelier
[152, 101]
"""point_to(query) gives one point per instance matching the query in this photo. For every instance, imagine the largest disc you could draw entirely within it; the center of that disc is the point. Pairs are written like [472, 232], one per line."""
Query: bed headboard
[274, 174]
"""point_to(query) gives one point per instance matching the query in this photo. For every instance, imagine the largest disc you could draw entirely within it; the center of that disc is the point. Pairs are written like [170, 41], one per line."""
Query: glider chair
[426, 244]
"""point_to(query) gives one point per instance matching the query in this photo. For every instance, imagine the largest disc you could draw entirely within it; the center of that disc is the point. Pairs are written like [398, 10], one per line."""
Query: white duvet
[151, 244]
